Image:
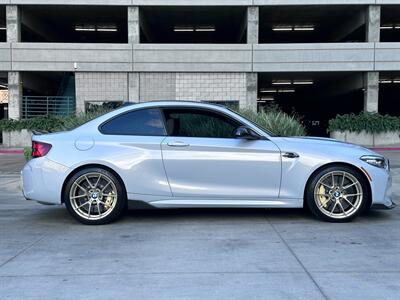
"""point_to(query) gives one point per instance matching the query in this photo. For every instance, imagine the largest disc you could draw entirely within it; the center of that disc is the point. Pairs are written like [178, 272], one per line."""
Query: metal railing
[35, 106]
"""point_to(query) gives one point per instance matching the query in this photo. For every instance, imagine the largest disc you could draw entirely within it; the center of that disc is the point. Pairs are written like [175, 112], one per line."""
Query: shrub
[273, 120]
[276, 122]
[49, 123]
[28, 153]
[370, 122]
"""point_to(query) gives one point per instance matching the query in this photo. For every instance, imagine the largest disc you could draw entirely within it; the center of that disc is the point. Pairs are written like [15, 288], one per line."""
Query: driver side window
[199, 123]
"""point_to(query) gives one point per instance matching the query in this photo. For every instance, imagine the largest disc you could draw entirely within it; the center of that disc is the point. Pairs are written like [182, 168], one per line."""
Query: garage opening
[48, 93]
[390, 23]
[389, 90]
[188, 24]
[314, 97]
[74, 24]
[312, 24]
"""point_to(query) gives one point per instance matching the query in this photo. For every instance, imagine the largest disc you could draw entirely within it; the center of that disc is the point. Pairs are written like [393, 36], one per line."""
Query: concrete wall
[96, 86]
[200, 58]
[100, 87]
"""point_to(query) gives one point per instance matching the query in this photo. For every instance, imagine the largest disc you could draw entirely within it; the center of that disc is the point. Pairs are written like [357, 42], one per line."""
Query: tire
[95, 196]
[339, 200]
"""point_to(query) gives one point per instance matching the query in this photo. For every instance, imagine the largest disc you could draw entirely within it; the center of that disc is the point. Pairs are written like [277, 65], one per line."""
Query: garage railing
[35, 106]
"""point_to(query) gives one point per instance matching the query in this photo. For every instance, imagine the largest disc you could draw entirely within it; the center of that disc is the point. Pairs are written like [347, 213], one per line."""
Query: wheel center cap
[337, 194]
[94, 195]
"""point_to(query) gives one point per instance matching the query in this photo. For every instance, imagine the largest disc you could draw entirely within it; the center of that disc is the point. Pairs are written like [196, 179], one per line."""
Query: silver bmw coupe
[172, 154]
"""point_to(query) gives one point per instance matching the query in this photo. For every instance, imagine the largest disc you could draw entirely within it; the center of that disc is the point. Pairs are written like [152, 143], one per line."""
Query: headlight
[377, 161]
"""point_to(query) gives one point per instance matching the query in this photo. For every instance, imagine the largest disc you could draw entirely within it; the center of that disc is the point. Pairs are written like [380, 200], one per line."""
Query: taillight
[40, 149]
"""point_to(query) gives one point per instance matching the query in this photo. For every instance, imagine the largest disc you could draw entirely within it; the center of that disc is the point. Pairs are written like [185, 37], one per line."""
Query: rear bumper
[42, 180]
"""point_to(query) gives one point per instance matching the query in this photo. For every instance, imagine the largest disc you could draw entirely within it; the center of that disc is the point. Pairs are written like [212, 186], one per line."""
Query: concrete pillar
[371, 81]
[13, 24]
[251, 93]
[373, 23]
[14, 95]
[133, 87]
[252, 24]
[371, 93]
[133, 25]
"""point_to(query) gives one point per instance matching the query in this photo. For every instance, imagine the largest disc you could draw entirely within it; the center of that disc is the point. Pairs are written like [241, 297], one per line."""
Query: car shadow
[59, 215]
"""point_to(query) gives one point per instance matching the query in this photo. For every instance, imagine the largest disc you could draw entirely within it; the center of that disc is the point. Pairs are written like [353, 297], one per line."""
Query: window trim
[162, 118]
[200, 109]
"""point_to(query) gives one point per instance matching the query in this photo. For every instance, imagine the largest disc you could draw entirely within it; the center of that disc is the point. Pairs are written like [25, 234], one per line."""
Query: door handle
[290, 155]
[178, 144]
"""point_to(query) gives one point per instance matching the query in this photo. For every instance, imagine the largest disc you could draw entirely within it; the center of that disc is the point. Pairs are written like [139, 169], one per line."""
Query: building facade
[317, 58]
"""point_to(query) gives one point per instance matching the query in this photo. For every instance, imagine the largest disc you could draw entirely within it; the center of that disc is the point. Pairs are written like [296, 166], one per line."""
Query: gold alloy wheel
[93, 196]
[338, 194]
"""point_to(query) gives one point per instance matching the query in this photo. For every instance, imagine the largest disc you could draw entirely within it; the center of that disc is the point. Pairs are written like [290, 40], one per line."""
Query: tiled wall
[161, 86]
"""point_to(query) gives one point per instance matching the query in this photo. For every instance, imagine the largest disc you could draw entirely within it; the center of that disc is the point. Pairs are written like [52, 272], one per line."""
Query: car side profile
[173, 154]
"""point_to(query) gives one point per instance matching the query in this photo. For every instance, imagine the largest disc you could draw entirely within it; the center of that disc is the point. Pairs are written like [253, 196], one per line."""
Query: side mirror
[246, 133]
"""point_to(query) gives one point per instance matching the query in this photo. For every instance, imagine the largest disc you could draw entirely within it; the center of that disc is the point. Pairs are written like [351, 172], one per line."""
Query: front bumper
[381, 187]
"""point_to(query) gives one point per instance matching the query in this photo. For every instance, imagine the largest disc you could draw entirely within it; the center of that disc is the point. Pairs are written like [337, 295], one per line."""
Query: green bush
[370, 122]
[28, 153]
[272, 120]
[49, 123]
[276, 122]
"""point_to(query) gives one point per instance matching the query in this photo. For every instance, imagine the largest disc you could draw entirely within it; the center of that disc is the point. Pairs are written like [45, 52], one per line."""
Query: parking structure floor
[194, 254]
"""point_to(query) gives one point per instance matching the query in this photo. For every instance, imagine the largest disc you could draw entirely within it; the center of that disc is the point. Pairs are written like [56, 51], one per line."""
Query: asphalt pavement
[194, 253]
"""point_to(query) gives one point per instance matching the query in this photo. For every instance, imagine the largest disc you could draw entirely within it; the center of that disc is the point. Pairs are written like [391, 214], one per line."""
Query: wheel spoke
[79, 196]
[350, 185]
[333, 209]
[104, 187]
[326, 185]
[341, 206]
[351, 195]
[90, 208]
[348, 202]
[82, 205]
[343, 178]
[80, 187]
[90, 184]
[333, 180]
[320, 194]
[98, 208]
[97, 182]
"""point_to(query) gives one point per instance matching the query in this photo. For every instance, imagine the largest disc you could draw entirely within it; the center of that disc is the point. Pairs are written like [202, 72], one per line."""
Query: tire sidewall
[309, 195]
[119, 206]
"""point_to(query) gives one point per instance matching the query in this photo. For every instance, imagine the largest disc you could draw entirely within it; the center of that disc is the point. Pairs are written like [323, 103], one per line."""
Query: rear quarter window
[137, 122]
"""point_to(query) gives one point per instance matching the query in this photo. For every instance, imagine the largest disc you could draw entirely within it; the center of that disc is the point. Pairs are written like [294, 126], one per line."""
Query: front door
[203, 158]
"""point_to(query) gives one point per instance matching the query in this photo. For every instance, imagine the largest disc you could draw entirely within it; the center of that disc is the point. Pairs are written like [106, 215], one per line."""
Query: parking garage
[216, 25]
[389, 91]
[312, 24]
[74, 24]
[314, 97]
[390, 24]
[47, 93]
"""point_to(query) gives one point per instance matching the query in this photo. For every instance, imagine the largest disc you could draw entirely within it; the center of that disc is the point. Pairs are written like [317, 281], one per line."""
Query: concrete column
[251, 93]
[14, 95]
[371, 93]
[133, 87]
[371, 79]
[133, 25]
[13, 24]
[252, 24]
[373, 23]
